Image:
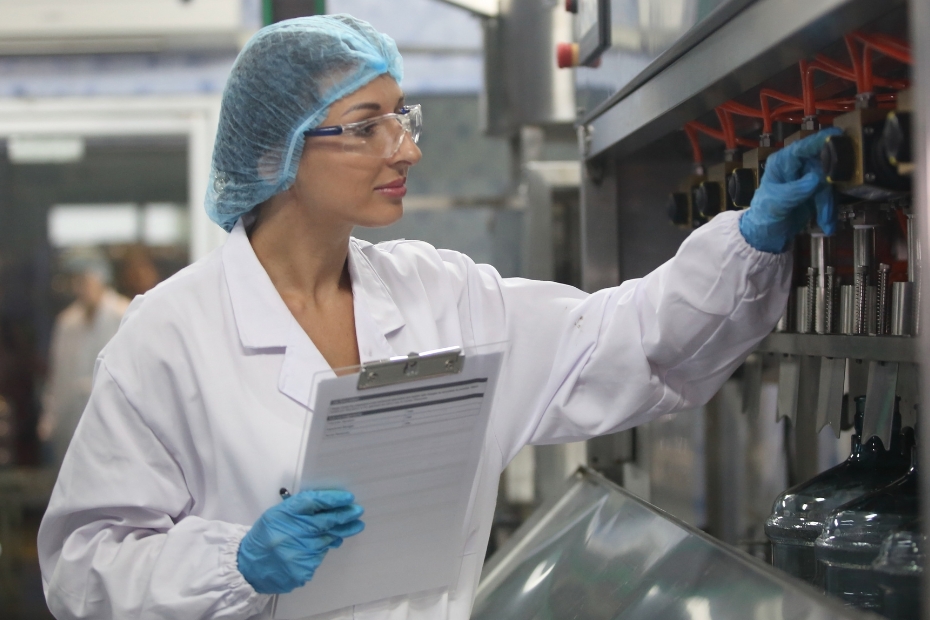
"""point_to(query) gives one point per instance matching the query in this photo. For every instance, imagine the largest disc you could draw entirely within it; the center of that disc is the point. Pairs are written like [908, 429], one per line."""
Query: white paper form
[409, 452]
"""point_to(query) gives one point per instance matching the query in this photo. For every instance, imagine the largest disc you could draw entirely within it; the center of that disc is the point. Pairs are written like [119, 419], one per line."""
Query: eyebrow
[370, 105]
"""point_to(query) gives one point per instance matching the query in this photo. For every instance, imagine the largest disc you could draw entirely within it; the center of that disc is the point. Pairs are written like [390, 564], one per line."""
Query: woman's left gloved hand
[793, 189]
[289, 541]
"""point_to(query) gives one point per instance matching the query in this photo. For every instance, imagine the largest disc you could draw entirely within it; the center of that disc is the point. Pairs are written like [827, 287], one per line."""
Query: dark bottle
[898, 570]
[800, 513]
[853, 536]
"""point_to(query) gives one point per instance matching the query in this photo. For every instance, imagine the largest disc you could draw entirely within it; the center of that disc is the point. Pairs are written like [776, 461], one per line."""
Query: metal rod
[861, 284]
[810, 314]
[883, 301]
[827, 314]
[863, 252]
[913, 274]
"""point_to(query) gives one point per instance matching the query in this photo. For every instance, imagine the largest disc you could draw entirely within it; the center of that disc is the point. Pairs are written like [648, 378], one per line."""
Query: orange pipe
[726, 123]
[695, 145]
[807, 88]
[767, 93]
[854, 56]
[887, 45]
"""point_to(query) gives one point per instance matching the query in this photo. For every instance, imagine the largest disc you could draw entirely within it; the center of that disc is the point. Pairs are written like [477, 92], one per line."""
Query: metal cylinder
[847, 309]
[902, 309]
[522, 85]
[863, 246]
[883, 300]
[801, 314]
[819, 250]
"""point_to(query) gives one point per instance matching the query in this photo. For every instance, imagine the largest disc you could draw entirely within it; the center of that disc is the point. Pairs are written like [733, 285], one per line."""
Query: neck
[90, 310]
[304, 254]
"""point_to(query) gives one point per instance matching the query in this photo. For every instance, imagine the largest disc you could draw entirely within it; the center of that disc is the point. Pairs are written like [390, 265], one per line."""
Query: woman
[167, 504]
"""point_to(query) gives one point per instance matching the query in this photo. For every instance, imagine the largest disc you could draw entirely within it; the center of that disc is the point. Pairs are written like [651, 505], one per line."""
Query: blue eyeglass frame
[338, 130]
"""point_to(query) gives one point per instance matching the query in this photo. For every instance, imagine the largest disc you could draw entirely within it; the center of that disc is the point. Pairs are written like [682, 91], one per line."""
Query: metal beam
[878, 348]
[766, 37]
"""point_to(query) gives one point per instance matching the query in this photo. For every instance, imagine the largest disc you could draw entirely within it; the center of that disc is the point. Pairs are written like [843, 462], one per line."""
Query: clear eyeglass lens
[382, 137]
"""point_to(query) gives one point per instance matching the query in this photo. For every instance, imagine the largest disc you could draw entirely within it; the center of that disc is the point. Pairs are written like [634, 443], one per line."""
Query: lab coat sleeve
[585, 365]
[115, 541]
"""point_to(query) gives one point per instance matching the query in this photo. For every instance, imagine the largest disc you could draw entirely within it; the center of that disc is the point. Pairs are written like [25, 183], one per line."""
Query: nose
[408, 152]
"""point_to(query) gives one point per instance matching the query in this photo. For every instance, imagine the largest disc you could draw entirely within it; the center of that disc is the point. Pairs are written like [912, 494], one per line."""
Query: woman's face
[355, 187]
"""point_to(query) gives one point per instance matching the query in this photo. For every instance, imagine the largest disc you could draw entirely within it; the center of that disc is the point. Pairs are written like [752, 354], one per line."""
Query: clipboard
[405, 435]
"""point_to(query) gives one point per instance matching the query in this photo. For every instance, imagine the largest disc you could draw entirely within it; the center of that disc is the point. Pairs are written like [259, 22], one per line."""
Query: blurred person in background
[138, 273]
[80, 333]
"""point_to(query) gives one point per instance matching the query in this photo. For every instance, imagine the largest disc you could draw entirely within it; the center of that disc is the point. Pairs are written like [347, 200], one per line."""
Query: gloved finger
[315, 500]
[788, 163]
[326, 520]
[317, 543]
[813, 144]
[780, 167]
[778, 200]
[791, 193]
[826, 213]
[348, 529]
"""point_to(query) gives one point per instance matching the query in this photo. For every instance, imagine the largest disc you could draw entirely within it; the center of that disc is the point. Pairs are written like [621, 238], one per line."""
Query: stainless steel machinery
[688, 99]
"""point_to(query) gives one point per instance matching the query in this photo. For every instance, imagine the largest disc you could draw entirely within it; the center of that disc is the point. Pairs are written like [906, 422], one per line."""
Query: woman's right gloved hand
[793, 189]
[287, 543]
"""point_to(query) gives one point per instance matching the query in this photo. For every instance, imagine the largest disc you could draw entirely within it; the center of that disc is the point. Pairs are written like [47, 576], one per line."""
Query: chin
[381, 215]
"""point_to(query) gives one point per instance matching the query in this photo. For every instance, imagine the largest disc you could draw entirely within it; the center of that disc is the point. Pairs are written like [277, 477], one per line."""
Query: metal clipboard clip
[413, 367]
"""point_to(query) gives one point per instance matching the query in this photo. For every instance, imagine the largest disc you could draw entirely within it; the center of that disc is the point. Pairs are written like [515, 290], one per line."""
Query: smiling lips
[394, 189]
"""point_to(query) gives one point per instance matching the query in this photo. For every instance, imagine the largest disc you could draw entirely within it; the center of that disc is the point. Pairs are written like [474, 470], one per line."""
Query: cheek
[334, 182]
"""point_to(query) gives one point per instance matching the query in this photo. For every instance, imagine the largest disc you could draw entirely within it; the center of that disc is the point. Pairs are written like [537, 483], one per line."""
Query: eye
[366, 131]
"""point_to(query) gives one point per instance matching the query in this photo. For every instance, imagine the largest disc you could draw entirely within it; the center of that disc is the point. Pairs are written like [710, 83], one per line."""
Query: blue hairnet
[282, 84]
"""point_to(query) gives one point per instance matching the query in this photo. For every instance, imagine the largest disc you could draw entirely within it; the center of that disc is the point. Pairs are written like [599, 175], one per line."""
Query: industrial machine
[679, 105]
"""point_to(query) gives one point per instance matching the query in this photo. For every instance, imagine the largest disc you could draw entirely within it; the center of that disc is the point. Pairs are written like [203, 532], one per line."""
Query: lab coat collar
[262, 318]
[368, 286]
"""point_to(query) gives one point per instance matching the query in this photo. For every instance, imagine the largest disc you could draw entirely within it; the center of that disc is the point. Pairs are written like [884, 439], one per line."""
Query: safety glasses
[380, 136]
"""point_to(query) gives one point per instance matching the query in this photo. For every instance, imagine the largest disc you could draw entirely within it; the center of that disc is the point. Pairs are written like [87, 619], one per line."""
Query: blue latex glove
[793, 189]
[287, 543]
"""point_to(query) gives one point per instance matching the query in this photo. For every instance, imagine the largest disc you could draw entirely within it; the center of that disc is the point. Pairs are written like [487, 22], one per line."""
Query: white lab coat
[76, 343]
[199, 401]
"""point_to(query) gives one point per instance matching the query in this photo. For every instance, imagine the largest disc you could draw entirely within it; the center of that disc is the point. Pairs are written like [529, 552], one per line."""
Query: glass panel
[641, 30]
[598, 552]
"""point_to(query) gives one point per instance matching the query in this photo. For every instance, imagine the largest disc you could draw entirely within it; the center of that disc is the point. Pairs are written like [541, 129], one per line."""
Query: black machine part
[838, 158]
[679, 208]
[741, 186]
[708, 198]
